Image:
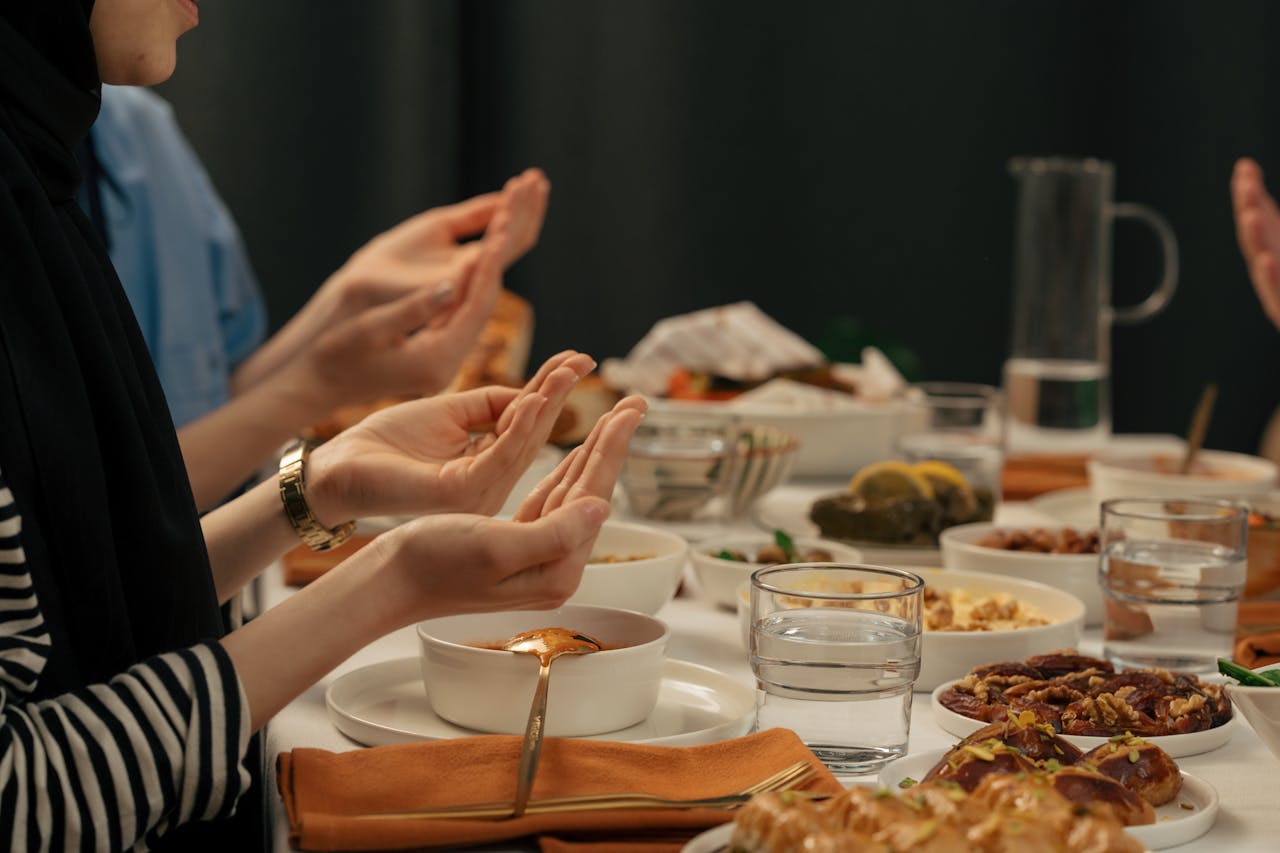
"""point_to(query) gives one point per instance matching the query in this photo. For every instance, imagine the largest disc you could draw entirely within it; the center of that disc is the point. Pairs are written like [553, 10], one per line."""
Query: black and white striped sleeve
[112, 765]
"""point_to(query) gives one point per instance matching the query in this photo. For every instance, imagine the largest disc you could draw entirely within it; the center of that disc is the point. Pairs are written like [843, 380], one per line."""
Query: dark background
[841, 164]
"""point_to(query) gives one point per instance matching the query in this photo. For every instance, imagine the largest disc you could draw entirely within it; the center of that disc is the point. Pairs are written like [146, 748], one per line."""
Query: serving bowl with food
[721, 564]
[1061, 557]
[472, 681]
[969, 617]
[1130, 474]
[632, 567]
[1257, 694]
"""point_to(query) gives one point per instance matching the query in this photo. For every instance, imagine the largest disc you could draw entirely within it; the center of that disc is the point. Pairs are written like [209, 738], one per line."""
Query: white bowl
[719, 579]
[1261, 707]
[643, 585]
[1073, 573]
[948, 655]
[490, 690]
[1218, 472]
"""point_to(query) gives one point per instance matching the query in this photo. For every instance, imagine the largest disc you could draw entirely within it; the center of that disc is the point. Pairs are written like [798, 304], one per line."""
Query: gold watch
[293, 492]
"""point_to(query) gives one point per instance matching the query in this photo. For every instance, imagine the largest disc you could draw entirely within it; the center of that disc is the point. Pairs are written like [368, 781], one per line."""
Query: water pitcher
[1057, 378]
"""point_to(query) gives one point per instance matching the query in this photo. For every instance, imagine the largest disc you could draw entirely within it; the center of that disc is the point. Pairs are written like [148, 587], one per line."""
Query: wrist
[320, 535]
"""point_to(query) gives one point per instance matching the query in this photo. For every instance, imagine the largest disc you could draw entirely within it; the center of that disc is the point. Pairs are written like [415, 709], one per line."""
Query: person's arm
[1257, 221]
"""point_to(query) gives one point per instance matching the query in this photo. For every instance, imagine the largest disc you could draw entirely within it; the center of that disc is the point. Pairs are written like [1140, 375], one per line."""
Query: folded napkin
[302, 565]
[1258, 630]
[1029, 475]
[322, 790]
[1259, 650]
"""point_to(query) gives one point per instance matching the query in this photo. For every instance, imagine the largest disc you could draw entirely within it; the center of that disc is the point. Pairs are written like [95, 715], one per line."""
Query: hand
[425, 456]
[401, 315]
[1258, 232]
[532, 563]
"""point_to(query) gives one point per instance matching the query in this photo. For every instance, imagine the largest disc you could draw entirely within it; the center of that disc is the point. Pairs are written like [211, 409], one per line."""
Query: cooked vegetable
[1247, 677]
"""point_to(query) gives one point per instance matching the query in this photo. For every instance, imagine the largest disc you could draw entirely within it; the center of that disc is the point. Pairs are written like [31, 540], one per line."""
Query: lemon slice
[889, 481]
[948, 482]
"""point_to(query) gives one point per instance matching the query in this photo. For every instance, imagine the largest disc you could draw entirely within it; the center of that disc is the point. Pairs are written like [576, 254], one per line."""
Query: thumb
[552, 537]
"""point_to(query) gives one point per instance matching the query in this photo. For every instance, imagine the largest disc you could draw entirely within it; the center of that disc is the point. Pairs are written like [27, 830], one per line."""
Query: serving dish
[1126, 474]
[644, 585]
[718, 579]
[1261, 707]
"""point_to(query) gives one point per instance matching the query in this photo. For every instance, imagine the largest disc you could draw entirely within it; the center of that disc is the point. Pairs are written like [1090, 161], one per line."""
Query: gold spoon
[546, 644]
[1199, 426]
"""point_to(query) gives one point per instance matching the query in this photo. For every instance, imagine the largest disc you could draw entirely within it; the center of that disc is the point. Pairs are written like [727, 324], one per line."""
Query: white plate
[1174, 824]
[385, 703]
[1178, 746]
[1075, 507]
[712, 840]
[786, 508]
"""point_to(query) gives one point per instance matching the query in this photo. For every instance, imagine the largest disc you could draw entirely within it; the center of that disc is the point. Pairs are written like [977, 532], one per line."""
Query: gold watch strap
[293, 493]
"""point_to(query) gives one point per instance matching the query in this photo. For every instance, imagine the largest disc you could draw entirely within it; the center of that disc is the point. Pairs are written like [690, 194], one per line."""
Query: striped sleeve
[110, 766]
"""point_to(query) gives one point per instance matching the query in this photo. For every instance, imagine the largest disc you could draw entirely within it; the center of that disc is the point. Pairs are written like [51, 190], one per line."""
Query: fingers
[531, 507]
[389, 324]
[597, 462]
[526, 199]
[453, 221]
[1265, 272]
[579, 363]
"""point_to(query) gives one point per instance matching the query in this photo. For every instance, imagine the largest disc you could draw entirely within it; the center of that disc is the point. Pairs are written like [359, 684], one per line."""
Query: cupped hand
[401, 315]
[1258, 233]
[451, 453]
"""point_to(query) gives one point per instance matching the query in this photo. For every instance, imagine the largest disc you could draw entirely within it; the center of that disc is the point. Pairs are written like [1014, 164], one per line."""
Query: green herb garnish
[726, 554]
[1247, 677]
[788, 547]
[906, 782]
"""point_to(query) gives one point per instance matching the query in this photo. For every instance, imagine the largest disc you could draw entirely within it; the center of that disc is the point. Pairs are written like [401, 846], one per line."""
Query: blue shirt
[177, 252]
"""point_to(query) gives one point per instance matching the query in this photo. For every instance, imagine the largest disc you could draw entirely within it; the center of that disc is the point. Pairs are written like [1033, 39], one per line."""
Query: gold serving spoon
[546, 644]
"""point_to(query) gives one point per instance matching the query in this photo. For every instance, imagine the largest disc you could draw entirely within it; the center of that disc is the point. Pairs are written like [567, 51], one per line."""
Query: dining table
[1245, 774]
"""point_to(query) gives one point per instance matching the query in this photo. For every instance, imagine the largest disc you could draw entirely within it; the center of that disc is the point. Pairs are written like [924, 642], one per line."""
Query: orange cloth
[1029, 475]
[302, 565]
[321, 789]
[1259, 650]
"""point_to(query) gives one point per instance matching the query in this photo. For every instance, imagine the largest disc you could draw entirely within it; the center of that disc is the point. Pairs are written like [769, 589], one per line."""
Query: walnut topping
[1181, 707]
[1058, 694]
[1124, 692]
[1108, 709]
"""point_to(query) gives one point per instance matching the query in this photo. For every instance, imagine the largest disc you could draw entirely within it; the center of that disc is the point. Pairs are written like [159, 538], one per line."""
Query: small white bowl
[490, 690]
[1073, 573]
[719, 579]
[1142, 475]
[1261, 707]
[948, 655]
[644, 585]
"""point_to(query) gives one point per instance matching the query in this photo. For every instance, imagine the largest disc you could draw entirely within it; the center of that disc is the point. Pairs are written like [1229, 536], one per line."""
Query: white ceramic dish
[1179, 746]
[1174, 824]
[718, 579]
[1075, 507]
[490, 689]
[642, 585]
[1261, 707]
[787, 508]
[383, 704]
[1117, 475]
[713, 840]
[1073, 573]
[833, 443]
[947, 655]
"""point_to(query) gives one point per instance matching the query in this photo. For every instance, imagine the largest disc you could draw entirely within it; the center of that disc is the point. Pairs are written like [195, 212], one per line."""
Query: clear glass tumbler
[1172, 573]
[835, 649]
[963, 425]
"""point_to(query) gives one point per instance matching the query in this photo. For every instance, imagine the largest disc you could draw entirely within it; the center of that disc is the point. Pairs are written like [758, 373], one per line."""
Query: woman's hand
[1258, 232]
[401, 315]
[452, 453]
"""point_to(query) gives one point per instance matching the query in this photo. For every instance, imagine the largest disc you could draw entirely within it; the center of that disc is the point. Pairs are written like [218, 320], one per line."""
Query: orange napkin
[1258, 630]
[321, 789]
[1259, 650]
[302, 565]
[1029, 475]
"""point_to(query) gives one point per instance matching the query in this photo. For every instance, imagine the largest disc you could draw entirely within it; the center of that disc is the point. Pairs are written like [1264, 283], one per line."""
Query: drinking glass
[835, 648]
[963, 425]
[679, 465]
[1172, 572]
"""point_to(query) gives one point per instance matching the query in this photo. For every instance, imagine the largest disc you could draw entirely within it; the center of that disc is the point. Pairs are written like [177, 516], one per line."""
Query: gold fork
[784, 780]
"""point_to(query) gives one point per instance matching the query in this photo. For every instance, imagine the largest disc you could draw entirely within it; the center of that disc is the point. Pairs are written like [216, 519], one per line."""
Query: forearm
[245, 535]
[287, 649]
[227, 446]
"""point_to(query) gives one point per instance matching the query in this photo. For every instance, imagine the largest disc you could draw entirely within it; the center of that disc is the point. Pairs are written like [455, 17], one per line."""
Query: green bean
[1272, 675]
[1245, 676]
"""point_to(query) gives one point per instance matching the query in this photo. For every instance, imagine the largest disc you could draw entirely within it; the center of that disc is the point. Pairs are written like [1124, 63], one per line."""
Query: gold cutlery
[784, 780]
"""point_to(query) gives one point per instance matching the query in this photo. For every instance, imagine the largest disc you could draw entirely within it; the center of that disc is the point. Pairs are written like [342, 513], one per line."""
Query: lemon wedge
[949, 485]
[890, 481]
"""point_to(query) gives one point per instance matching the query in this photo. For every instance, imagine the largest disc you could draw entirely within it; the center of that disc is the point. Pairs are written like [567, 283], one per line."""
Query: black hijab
[110, 528]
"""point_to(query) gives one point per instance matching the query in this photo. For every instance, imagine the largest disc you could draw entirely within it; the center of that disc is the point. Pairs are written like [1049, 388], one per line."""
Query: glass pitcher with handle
[1058, 375]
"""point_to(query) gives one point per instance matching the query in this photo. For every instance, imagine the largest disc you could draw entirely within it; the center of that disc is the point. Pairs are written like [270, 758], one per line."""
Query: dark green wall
[842, 164]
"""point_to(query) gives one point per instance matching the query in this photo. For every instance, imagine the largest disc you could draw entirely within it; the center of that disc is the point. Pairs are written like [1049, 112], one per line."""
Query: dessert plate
[1187, 816]
[385, 703]
[1178, 746]
[787, 509]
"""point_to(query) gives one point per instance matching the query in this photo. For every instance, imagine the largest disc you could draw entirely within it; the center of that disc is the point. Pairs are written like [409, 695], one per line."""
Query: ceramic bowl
[1073, 573]
[1261, 707]
[644, 585]
[1216, 473]
[948, 655]
[490, 690]
[766, 455]
[718, 579]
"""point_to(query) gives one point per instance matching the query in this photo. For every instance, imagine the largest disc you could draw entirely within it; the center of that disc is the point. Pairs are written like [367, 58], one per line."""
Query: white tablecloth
[1245, 773]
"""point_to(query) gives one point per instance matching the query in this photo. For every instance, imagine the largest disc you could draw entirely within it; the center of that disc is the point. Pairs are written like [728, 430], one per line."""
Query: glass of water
[963, 425]
[1172, 573]
[835, 649]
